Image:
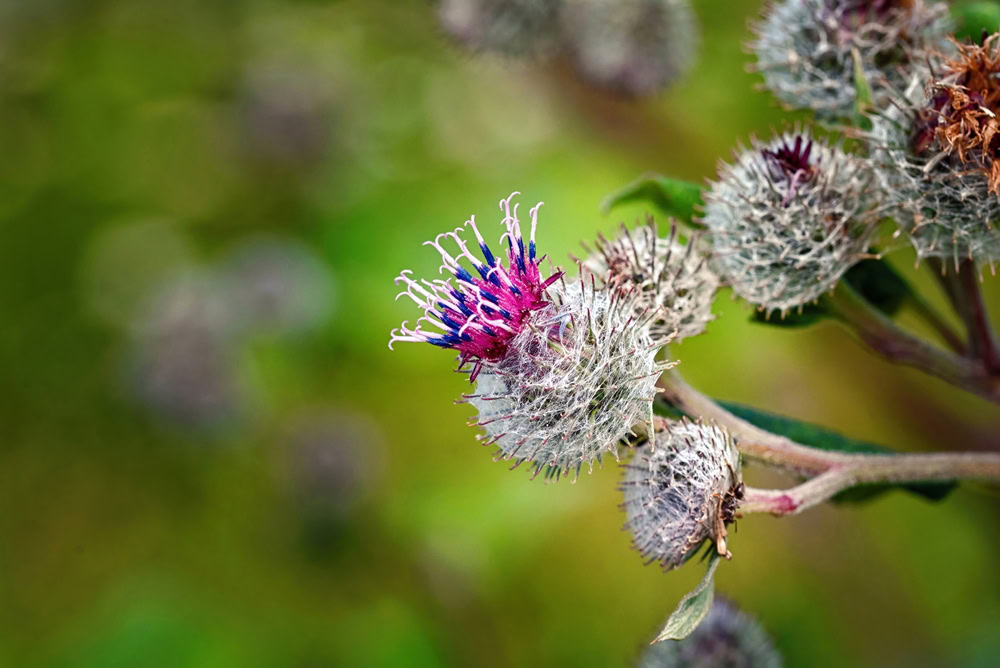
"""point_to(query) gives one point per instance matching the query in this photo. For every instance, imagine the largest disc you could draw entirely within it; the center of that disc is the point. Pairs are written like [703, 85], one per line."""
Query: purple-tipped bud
[788, 218]
[479, 312]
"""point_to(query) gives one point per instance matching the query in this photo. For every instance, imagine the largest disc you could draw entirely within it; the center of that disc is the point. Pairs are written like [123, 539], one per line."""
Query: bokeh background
[208, 455]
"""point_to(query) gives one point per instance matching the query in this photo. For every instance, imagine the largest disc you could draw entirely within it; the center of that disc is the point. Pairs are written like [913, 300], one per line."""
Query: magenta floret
[481, 312]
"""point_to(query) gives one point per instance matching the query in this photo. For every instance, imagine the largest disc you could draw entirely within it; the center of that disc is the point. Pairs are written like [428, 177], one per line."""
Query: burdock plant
[569, 369]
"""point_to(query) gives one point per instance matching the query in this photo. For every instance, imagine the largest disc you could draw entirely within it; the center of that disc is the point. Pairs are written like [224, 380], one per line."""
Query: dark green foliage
[673, 197]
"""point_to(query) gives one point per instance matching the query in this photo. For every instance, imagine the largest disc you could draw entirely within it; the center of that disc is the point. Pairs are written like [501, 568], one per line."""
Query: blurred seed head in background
[634, 48]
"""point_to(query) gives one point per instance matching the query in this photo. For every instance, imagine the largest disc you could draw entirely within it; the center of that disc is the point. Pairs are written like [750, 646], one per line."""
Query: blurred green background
[209, 457]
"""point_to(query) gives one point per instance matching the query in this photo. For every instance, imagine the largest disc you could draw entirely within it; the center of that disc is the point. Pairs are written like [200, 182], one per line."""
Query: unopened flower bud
[672, 280]
[788, 218]
[682, 492]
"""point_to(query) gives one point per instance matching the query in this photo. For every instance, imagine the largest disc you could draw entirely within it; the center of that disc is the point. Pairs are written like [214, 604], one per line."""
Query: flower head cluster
[636, 47]
[941, 154]
[672, 280]
[788, 218]
[479, 315]
[574, 384]
[682, 492]
[806, 49]
[727, 638]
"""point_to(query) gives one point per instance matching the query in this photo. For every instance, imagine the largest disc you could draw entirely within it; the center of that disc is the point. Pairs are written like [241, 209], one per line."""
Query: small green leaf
[673, 197]
[974, 18]
[879, 283]
[693, 607]
[826, 439]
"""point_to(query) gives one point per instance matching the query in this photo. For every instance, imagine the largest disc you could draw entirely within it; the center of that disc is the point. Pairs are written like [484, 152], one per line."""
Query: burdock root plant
[568, 370]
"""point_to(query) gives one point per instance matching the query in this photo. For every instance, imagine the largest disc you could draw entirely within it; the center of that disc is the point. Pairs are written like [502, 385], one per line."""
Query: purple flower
[478, 315]
[789, 163]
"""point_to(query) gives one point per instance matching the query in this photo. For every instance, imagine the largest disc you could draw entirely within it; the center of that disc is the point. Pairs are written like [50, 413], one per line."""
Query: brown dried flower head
[961, 117]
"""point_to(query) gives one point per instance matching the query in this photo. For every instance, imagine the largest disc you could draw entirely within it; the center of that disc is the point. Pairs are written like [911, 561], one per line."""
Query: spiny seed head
[670, 278]
[804, 48]
[634, 47]
[940, 156]
[479, 314]
[726, 638]
[788, 218]
[505, 27]
[573, 384]
[681, 492]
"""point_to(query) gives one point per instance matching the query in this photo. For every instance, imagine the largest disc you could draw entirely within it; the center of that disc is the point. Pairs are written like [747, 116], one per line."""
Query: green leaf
[880, 284]
[826, 439]
[673, 197]
[974, 18]
[693, 607]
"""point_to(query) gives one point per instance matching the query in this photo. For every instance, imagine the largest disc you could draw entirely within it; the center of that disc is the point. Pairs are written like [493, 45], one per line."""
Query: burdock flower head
[942, 157]
[673, 280]
[576, 382]
[479, 315]
[682, 492]
[806, 49]
[788, 218]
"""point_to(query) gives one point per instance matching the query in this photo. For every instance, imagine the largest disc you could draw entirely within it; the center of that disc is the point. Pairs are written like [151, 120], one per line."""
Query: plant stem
[962, 288]
[833, 471]
[937, 323]
[872, 469]
[884, 337]
[751, 440]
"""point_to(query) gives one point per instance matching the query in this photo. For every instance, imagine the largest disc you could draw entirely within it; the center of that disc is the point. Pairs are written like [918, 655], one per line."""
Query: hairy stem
[930, 316]
[866, 469]
[751, 440]
[962, 288]
[834, 471]
[884, 337]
